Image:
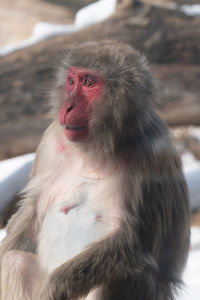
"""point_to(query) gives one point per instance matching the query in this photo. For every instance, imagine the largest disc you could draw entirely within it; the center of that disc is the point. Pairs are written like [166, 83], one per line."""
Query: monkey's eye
[88, 82]
[70, 80]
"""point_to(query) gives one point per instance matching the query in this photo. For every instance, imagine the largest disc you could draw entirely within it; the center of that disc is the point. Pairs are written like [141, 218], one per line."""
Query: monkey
[105, 215]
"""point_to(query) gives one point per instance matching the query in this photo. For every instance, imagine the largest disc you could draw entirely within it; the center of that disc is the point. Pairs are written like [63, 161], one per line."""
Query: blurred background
[33, 35]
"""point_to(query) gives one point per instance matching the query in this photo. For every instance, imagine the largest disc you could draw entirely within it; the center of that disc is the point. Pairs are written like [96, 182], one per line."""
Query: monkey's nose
[69, 108]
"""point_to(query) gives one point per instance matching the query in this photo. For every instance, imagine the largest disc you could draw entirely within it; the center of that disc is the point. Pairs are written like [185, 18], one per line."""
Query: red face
[83, 88]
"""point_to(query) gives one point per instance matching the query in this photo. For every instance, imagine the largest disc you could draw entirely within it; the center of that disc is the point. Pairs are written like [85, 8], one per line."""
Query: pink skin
[60, 147]
[83, 88]
[66, 209]
[98, 217]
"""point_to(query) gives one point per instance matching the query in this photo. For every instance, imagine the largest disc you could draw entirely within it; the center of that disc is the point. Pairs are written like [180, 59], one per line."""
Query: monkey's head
[104, 90]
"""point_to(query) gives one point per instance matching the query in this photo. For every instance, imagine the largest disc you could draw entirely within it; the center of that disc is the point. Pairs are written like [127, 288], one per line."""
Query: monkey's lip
[74, 128]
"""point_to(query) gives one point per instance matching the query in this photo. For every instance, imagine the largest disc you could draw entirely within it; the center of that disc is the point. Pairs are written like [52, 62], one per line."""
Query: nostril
[69, 108]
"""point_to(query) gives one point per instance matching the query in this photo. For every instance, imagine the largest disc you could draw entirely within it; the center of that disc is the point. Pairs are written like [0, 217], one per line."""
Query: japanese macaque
[105, 214]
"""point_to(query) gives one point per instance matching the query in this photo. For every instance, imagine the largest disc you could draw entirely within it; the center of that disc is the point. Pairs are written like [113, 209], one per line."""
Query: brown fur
[144, 258]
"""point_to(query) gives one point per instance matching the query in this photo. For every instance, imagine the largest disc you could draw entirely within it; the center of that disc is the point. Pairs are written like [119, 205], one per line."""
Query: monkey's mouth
[74, 128]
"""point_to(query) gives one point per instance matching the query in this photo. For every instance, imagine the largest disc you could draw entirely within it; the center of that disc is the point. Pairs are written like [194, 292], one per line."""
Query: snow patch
[191, 10]
[95, 13]
[195, 239]
[190, 164]
[2, 235]
[12, 165]
[195, 132]
[191, 169]
[192, 272]
[41, 32]
[13, 177]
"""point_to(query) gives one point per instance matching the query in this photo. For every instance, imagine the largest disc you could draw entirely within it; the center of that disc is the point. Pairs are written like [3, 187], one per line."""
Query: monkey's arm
[106, 262]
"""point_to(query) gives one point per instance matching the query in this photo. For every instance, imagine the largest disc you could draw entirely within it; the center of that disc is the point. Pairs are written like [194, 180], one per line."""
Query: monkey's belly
[65, 234]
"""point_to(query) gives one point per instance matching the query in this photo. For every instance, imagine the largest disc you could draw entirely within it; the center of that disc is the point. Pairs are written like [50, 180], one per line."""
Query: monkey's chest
[71, 225]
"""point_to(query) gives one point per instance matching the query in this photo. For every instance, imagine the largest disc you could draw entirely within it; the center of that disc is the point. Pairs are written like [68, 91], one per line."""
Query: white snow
[191, 169]
[195, 132]
[190, 164]
[192, 272]
[12, 165]
[2, 234]
[13, 177]
[89, 15]
[191, 10]
[95, 13]
[41, 31]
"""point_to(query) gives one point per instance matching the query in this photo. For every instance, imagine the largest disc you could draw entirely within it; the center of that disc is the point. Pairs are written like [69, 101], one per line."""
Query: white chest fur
[78, 211]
